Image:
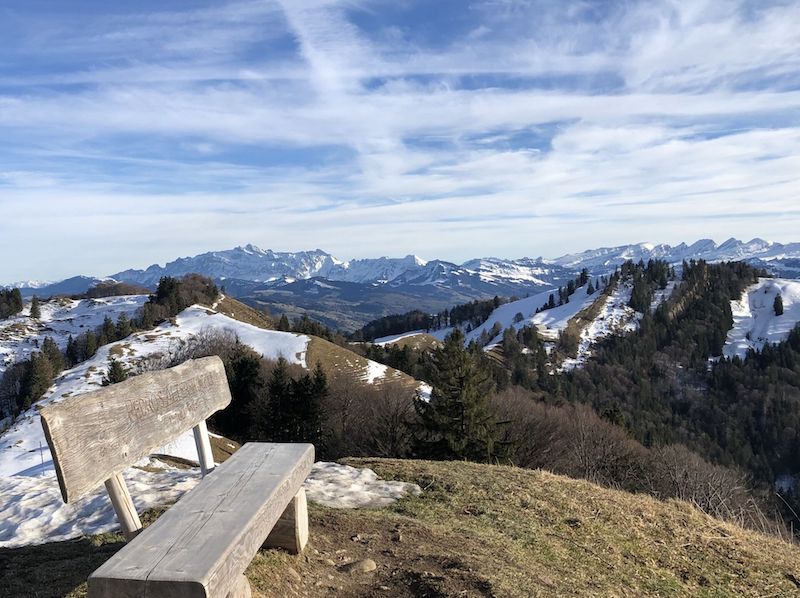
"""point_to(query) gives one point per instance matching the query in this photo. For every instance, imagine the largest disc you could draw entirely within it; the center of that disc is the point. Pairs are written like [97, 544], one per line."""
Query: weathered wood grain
[97, 434]
[241, 589]
[201, 546]
[291, 529]
[123, 506]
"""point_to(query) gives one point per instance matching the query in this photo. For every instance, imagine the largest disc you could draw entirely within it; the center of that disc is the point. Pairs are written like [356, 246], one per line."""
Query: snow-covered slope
[605, 258]
[549, 322]
[60, 318]
[492, 269]
[754, 319]
[248, 263]
[252, 264]
[615, 317]
[20, 452]
[31, 509]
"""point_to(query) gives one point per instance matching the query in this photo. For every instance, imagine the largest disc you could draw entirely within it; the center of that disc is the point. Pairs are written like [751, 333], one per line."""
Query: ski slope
[754, 321]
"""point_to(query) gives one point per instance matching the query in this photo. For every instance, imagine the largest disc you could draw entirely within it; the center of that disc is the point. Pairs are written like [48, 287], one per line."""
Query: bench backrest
[96, 435]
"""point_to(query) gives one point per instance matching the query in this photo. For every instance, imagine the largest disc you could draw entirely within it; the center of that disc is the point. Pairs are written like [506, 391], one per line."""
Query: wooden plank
[204, 455]
[201, 545]
[95, 435]
[291, 530]
[241, 589]
[123, 506]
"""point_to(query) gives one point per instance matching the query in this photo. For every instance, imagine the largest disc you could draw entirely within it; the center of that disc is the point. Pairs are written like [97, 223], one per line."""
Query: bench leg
[204, 455]
[123, 506]
[291, 530]
[240, 589]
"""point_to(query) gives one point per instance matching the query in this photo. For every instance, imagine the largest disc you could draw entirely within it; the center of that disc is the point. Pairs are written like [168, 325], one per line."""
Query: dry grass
[338, 360]
[418, 342]
[244, 313]
[482, 530]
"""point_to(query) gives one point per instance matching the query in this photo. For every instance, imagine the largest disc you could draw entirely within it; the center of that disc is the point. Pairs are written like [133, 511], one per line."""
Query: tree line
[10, 302]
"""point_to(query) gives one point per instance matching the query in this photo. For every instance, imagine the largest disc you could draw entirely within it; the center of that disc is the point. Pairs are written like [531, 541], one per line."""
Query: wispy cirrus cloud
[368, 127]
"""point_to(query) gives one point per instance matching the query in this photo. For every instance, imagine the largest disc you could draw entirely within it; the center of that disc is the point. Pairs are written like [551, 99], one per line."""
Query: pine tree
[51, 351]
[36, 311]
[247, 416]
[91, 344]
[778, 305]
[116, 372]
[590, 289]
[38, 379]
[16, 301]
[72, 352]
[280, 407]
[108, 330]
[283, 324]
[312, 412]
[456, 423]
[124, 327]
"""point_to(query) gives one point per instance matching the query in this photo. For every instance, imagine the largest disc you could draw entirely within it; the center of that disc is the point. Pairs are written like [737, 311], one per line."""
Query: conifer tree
[280, 407]
[72, 352]
[38, 379]
[108, 330]
[778, 305]
[51, 351]
[283, 324]
[116, 372]
[36, 311]
[456, 423]
[124, 327]
[91, 344]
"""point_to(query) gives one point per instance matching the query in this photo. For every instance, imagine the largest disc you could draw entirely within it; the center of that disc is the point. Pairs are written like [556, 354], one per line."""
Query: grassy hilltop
[480, 530]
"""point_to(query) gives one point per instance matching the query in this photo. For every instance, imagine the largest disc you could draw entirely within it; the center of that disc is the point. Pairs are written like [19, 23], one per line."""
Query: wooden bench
[202, 545]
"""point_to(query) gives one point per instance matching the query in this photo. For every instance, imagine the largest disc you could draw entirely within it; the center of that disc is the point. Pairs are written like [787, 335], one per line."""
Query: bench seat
[202, 545]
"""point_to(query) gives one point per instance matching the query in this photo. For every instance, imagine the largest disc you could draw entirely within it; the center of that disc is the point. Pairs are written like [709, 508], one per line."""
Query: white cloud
[540, 128]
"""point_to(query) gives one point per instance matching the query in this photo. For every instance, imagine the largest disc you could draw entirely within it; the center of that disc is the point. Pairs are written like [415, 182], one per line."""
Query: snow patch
[342, 486]
[32, 511]
[754, 321]
[615, 317]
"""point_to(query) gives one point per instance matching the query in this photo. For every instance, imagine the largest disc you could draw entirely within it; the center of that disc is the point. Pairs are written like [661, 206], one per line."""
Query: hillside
[60, 318]
[479, 530]
[27, 480]
[754, 319]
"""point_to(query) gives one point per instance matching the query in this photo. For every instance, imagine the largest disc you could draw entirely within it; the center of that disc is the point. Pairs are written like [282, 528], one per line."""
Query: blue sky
[133, 133]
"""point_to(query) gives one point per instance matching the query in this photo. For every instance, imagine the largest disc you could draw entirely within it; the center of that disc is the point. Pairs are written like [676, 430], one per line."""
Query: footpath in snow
[754, 319]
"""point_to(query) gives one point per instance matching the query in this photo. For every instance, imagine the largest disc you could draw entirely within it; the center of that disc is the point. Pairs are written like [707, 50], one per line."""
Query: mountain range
[346, 294]
[251, 263]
